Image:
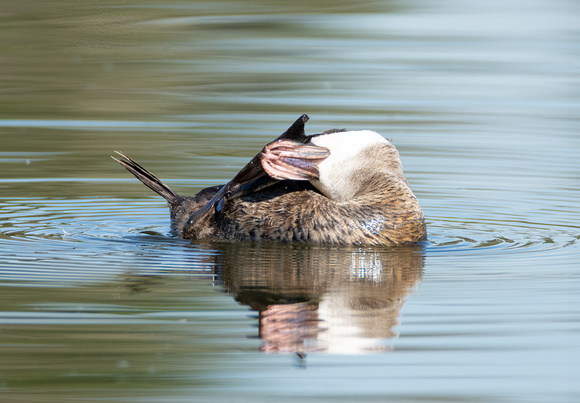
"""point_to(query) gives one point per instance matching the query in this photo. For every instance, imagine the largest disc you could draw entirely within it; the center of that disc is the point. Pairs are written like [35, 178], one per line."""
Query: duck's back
[389, 217]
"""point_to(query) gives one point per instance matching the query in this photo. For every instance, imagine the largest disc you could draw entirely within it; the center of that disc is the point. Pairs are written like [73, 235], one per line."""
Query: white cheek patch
[346, 156]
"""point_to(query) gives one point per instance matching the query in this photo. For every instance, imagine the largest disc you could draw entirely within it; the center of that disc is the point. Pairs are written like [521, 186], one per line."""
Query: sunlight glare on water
[98, 302]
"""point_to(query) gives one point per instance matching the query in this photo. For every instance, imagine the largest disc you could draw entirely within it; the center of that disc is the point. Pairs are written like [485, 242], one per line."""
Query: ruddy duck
[337, 187]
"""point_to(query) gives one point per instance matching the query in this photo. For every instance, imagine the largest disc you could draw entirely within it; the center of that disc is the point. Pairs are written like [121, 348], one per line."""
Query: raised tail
[148, 179]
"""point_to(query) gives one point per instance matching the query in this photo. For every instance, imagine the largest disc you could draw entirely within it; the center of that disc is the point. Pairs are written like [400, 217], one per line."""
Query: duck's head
[340, 164]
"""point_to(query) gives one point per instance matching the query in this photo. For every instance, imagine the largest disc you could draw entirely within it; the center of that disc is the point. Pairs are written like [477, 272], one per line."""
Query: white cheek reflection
[357, 316]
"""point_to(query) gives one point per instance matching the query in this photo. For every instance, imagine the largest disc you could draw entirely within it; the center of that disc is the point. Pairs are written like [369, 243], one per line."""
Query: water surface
[98, 302]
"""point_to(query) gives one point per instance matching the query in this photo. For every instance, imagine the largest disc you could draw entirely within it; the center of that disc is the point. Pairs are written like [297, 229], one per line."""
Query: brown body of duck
[337, 187]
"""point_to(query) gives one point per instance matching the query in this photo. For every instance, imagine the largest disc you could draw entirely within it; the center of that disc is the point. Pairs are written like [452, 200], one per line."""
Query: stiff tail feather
[148, 179]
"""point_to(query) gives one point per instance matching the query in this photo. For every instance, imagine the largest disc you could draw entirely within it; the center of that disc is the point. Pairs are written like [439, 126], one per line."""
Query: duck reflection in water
[336, 187]
[327, 299]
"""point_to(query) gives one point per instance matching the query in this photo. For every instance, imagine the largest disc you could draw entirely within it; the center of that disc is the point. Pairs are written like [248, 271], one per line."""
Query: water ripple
[52, 241]
[58, 242]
